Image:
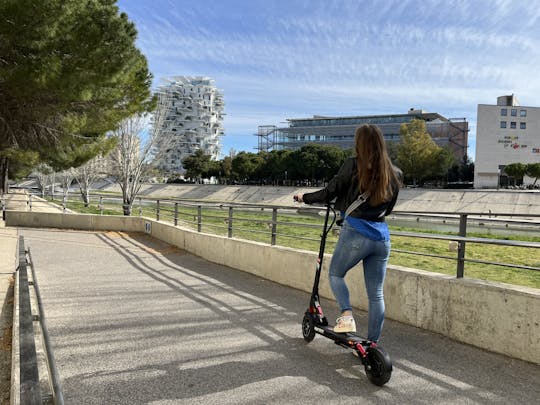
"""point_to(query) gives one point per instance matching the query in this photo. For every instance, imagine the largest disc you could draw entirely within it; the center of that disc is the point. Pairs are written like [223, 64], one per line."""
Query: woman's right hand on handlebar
[298, 198]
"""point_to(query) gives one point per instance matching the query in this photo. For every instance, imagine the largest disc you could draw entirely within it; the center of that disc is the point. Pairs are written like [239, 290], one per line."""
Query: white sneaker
[345, 324]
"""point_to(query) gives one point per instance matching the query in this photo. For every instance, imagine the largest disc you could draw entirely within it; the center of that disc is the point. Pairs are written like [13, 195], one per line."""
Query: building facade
[506, 133]
[190, 111]
[339, 131]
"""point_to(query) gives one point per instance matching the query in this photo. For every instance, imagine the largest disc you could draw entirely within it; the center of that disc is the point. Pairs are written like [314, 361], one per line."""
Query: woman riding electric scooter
[366, 188]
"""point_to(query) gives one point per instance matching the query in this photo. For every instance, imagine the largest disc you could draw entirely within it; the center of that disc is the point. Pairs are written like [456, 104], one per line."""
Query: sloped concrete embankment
[477, 201]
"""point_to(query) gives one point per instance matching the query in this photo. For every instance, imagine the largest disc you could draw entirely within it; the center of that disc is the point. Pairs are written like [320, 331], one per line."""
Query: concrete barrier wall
[494, 316]
[74, 221]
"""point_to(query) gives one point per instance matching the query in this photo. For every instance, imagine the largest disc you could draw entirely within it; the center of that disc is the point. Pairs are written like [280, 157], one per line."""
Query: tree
[87, 174]
[276, 166]
[196, 165]
[443, 160]
[214, 170]
[467, 169]
[516, 171]
[130, 160]
[246, 165]
[70, 72]
[66, 178]
[331, 158]
[21, 164]
[44, 176]
[533, 170]
[226, 167]
[417, 154]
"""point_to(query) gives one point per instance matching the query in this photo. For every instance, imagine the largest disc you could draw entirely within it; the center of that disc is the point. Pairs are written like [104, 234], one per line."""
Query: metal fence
[300, 226]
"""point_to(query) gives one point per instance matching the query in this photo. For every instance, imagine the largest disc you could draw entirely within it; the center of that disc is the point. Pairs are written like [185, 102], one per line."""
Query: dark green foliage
[314, 163]
[247, 165]
[69, 72]
[196, 165]
[533, 170]
[516, 171]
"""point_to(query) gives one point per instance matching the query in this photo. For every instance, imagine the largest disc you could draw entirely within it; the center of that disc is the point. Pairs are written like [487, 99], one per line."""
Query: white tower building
[192, 117]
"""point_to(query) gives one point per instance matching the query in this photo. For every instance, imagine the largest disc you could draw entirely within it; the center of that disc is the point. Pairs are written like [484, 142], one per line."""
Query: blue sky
[279, 59]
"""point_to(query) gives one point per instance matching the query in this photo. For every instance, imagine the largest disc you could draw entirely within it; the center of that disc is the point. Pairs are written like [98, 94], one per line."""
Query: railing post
[274, 226]
[140, 207]
[175, 214]
[157, 210]
[461, 245]
[100, 205]
[199, 218]
[230, 224]
[64, 203]
[30, 202]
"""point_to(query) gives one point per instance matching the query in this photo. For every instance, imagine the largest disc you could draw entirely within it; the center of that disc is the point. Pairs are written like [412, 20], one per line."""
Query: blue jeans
[351, 248]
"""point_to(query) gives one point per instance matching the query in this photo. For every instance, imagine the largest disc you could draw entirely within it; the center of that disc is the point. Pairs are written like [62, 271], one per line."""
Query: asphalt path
[135, 321]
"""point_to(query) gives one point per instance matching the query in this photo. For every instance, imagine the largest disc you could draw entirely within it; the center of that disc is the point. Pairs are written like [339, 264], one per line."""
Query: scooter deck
[347, 338]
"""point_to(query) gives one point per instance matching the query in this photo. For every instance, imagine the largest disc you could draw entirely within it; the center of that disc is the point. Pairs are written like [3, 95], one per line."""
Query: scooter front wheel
[308, 328]
[378, 366]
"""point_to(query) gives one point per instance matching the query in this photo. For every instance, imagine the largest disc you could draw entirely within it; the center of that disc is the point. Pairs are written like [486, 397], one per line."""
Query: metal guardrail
[30, 391]
[29, 386]
[229, 219]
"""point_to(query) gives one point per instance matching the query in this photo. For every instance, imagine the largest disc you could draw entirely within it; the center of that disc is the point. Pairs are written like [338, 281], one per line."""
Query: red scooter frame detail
[376, 361]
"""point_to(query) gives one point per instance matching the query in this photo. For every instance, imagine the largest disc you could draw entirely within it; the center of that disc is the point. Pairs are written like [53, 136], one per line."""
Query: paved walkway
[136, 321]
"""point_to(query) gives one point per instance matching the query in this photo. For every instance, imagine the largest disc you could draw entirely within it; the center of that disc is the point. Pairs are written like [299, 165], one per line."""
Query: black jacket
[344, 186]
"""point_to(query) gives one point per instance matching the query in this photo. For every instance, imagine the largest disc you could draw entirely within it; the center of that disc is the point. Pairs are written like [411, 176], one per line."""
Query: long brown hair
[376, 174]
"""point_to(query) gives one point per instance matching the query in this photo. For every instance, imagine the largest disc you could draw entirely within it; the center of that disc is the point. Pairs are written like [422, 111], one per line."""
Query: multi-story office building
[190, 111]
[339, 131]
[506, 133]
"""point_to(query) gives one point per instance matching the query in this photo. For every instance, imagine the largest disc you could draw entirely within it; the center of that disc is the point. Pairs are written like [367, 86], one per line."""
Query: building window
[503, 124]
[504, 112]
[522, 113]
[522, 125]
[513, 112]
[513, 125]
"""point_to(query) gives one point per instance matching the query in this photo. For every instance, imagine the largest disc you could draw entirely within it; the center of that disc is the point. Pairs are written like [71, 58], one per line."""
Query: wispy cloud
[280, 59]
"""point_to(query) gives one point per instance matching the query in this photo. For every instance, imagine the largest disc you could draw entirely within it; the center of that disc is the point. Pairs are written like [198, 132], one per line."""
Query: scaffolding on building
[266, 138]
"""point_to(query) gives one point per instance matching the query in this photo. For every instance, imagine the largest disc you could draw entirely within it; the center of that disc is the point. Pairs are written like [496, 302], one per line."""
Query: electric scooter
[377, 363]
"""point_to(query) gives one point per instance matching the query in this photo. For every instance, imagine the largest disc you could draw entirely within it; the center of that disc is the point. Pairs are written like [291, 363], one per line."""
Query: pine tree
[69, 73]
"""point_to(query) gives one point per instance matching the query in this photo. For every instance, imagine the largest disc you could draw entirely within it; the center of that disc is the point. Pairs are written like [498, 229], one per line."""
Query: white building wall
[497, 146]
[194, 118]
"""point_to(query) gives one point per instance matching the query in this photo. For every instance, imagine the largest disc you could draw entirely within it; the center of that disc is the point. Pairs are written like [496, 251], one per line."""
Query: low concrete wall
[74, 221]
[494, 316]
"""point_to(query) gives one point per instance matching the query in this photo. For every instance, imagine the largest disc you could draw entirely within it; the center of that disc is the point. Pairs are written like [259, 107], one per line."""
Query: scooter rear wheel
[308, 328]
[378, 366]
